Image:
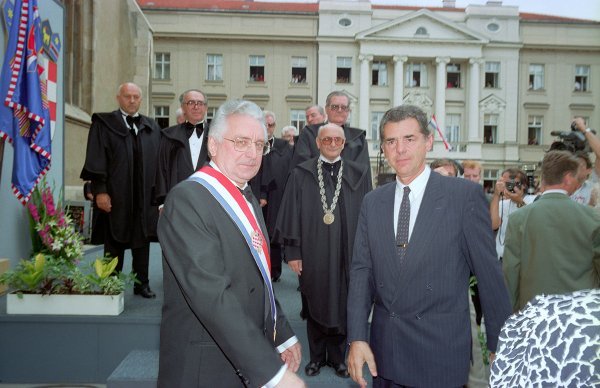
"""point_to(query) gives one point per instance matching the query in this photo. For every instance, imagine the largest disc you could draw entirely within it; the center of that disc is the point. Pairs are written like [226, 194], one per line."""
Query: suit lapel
[386, 230]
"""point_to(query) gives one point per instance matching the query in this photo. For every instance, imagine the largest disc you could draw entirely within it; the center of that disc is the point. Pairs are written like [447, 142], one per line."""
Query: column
[473, 100]
[440, 91]
[398, 79]
[364, 98]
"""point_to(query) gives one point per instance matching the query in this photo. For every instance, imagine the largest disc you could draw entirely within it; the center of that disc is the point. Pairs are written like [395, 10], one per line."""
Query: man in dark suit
[182, 147]
[552, 245]
[121, 164]
[221, 324]
[338, 109]
[275, 169]
[416, 242]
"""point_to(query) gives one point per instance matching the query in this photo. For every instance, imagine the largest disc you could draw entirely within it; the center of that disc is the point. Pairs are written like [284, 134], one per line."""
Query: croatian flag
[24, 113]
[433, 123]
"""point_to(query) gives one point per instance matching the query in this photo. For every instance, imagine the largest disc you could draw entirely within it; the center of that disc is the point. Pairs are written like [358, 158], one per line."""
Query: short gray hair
[319, 108]
[403, 112]
[331, 125]
[219, 125]
[289, 128]
[268, 113]
[337, 93]
[182, 95]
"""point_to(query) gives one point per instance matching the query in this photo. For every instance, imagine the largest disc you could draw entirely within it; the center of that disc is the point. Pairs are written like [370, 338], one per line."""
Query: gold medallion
[328, 218]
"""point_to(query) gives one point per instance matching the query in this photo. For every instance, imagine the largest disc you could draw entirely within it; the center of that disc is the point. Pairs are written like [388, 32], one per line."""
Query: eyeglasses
[271, 125]
[343, 108]
[195, 103]
[336, 140]
[243, 144]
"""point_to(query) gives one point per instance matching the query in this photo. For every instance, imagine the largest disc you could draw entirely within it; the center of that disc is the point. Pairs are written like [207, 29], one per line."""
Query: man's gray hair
[219, 124]
[404, 112]
[268, 113]
[331, 125]
[337, 93]
[182, 95]
[289, 128]
[319, 108]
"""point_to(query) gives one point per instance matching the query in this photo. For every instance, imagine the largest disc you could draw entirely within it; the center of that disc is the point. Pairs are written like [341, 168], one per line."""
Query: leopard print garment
[553, 342]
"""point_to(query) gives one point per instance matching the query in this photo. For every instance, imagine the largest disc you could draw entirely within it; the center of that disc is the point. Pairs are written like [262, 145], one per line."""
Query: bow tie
[133, 120]
[333, 168]
[189, 129]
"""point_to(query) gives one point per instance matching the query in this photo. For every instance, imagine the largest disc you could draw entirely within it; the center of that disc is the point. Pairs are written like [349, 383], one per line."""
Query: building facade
[497, 80]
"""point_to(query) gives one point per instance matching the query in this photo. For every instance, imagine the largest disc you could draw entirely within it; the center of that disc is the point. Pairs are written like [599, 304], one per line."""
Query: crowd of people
[384, 275]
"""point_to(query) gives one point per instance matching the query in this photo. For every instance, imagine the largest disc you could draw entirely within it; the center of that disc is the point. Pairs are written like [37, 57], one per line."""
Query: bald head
[129, 97]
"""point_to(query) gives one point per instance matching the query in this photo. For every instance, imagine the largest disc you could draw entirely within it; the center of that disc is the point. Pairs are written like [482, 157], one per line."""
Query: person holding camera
[509, 196]
[588, 173]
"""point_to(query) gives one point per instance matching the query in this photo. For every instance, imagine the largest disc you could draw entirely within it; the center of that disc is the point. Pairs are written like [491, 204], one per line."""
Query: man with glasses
[273, 175]
[221, 323]
[417, 239]
[316, 225]
[337, 108]
[183, 146]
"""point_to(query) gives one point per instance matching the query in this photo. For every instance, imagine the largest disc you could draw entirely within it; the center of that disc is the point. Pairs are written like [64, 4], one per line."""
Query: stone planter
[65, 304]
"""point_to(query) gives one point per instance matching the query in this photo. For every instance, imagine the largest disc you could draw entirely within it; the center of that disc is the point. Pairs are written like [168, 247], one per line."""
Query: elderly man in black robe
[318, 241]
[120, 162]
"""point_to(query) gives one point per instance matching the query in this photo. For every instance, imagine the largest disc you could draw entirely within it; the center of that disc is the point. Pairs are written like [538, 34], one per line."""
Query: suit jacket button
[393, 315]
[418, 316]
[429, 287]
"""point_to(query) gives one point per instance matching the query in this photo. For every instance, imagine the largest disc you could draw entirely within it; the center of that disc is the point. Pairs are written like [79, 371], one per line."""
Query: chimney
[449, 3]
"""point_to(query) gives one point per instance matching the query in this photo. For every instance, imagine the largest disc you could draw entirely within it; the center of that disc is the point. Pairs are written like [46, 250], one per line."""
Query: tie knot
[406, 190]
[247, 192]
[133, 120]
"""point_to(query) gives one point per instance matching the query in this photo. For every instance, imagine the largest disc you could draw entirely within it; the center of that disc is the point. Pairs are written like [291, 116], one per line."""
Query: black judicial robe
[275, 170]
[175, 160]
[325, 250]
[109, 165]
[355, 149]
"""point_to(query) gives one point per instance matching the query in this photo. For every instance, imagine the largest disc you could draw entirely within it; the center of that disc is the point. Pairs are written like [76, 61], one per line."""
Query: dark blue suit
[420, 331]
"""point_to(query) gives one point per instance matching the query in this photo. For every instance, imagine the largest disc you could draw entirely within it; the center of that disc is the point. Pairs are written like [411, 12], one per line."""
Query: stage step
[138, 370]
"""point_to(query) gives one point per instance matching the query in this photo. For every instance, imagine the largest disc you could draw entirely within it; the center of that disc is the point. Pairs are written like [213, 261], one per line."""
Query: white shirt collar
[561, 191]
[324, 159]
[417, 186]
[125, 114]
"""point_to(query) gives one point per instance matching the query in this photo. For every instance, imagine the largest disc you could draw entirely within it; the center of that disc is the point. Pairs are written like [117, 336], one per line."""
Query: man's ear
[212, 146]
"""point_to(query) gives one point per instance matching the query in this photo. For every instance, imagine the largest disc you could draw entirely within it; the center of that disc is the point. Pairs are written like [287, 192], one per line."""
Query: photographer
[587, 175]
[509, 196]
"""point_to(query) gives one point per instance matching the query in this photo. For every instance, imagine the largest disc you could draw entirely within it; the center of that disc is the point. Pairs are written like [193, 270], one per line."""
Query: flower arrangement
[54, 267]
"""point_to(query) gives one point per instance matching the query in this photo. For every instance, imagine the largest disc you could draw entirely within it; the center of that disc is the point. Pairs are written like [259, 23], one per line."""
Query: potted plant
[55, 280]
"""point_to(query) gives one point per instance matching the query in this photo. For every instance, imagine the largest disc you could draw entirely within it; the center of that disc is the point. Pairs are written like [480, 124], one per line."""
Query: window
[344, 70]
[257, 68]
[421, 31]
[162, 66]
[489, 180]
[373, 134]
[161, 115]
[582, 74]
[536, 77]
[210, 113]
[492, 74]
[379, 74]
[416, 75]
[214, 67]
[452, 132]
[534, 130]
[490, 129]
[493, 27]
[299, 70]
[345, 22]
[298, 119]
[453, 75]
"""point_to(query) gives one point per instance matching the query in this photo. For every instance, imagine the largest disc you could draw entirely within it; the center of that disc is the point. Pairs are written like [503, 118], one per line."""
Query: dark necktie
[133, 120]
[190, 128]
[403, 223]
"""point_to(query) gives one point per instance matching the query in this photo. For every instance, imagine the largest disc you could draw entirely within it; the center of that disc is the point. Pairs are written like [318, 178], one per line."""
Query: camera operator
[509, 196]
[586, 175]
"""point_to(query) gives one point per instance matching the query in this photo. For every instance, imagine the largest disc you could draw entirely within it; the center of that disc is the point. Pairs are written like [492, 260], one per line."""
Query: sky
[580, 9]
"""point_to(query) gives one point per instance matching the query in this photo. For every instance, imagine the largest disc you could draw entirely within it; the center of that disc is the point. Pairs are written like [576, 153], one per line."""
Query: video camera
[572, 140]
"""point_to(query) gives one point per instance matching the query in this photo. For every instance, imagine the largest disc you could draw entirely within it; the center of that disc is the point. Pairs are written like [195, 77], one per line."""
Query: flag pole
[1, 157]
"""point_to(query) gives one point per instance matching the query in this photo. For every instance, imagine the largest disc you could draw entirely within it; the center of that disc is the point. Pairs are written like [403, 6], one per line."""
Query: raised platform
[119, 351]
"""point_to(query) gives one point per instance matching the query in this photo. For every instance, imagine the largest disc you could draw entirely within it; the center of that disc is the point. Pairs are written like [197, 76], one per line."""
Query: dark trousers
[139, 264]
[276, 254]
[325, 344]
[380, 382]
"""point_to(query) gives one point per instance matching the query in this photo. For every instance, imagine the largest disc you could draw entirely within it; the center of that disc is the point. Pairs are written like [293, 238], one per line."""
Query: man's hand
[499, 188]
[491, 358]
[580, 124]
[290, 380]
[295, 265]
[103, 202]
[359, 353]
[292, 357]
[262, 202]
